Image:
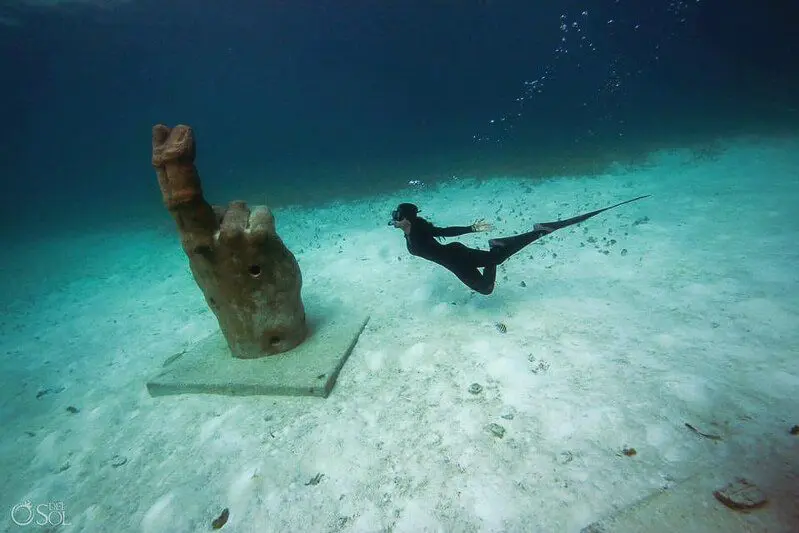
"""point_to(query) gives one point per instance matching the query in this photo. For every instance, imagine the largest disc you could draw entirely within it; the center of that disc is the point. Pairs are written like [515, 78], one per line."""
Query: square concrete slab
[311, 369]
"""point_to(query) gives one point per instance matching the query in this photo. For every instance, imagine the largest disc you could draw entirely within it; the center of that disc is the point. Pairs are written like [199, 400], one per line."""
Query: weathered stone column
[251, 281]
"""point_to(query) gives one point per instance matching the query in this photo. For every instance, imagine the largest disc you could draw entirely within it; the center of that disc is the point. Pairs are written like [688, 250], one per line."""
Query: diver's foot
[541, 227]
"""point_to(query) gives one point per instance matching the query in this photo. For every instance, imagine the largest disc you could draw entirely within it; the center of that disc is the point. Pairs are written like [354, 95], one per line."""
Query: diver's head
[404, 211]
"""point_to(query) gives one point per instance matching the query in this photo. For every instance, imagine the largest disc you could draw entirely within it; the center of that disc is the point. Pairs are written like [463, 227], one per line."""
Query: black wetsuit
[458, 258]
[464, 262]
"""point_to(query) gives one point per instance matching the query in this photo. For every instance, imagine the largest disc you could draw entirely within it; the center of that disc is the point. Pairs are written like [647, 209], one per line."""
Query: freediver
[463, 261]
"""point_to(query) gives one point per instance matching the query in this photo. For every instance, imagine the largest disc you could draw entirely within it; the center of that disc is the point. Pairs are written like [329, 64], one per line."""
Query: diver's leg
[461, 255]
[502, 249]
[464, 261]
[490, 276]
[477, 281]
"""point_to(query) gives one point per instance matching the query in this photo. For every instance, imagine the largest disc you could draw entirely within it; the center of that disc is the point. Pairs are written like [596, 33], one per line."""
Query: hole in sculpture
[274, 340]
[254, 270]
[203, 250]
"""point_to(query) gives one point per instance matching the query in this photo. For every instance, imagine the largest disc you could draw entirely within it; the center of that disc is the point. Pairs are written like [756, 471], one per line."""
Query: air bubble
[609, 87]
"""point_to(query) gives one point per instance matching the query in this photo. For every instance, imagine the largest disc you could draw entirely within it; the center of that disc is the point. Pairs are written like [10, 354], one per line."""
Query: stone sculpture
[250, 279]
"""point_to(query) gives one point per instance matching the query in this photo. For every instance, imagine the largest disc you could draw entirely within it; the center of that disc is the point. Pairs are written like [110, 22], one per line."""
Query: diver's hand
[481, 225]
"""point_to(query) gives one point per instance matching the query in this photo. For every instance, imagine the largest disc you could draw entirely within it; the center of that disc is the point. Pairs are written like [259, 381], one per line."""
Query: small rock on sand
[475, 388]
[496, 430]
[741, 495]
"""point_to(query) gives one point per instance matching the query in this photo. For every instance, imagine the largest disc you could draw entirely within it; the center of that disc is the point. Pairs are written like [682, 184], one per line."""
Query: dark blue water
[312, 100]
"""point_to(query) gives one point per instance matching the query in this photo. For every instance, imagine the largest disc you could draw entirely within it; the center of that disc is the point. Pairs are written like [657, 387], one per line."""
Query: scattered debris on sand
[496, 430]
[706, 435]
[741, 495]
[221, 520]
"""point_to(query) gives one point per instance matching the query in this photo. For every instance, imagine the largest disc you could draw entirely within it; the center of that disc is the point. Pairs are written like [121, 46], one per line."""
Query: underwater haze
[359, 98]
[622, 371]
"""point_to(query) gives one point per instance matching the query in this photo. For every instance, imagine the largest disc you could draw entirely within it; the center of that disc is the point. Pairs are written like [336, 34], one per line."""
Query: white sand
[698, 323]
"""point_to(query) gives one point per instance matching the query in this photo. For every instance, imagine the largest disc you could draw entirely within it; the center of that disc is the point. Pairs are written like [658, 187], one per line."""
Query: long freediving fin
[505, 247]
[558, 224]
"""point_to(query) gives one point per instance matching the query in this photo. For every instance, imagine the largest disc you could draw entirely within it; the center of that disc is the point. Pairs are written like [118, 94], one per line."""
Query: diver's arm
[454, 231]
[451, 231]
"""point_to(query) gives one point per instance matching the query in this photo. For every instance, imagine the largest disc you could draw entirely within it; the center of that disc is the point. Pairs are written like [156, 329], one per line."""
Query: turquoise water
[609, 335]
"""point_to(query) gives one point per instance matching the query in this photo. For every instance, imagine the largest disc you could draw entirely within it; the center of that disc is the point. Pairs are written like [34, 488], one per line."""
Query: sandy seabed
[681, 308]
